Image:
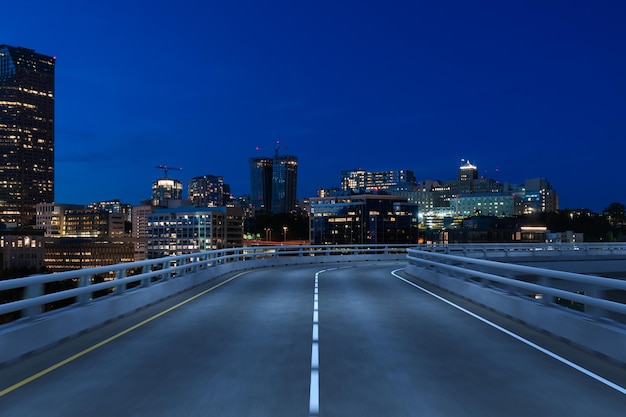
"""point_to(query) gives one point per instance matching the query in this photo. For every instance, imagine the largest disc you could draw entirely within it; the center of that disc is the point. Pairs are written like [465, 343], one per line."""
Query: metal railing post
[119, 289]
[33, 291]
[84, 281]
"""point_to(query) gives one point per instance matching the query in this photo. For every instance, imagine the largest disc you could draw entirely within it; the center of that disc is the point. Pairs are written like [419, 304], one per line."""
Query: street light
[285, 233]
[268, 233]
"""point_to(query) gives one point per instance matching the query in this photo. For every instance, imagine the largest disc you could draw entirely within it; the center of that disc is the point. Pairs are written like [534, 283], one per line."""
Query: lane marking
[314, 390]
[527, 342]
[110, 339]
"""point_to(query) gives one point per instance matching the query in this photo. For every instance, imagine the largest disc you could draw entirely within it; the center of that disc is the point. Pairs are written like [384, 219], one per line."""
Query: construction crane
[165, 168]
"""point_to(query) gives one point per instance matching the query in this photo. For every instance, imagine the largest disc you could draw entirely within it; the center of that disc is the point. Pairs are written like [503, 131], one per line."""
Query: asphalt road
[345, 340]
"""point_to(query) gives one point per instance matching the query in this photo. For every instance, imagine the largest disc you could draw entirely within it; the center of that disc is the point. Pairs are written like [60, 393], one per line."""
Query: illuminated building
[468, 172]
[26, 134]
[207, 191]
[166, 189]
[93, 223]
[363, 218]
[361, 181]
[273, 183]
[499, 205]
[184, 230]
[539, 196]
[140, 230]
[66, 254]
[21, 249]
[51, 217]
[113, 206]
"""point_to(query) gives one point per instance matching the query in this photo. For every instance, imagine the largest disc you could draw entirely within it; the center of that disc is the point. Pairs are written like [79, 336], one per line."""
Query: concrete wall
[597, 336]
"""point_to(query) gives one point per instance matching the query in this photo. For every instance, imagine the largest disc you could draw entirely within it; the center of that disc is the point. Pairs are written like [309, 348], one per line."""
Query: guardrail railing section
[28, 298]
[600, 298]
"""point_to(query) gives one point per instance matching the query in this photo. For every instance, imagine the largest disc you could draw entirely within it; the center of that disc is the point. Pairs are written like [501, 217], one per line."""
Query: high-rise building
[273, 183]
[26, 133]
[468, 172]
[284, 183]
[206, 191]
[261, 183]
[166, 189]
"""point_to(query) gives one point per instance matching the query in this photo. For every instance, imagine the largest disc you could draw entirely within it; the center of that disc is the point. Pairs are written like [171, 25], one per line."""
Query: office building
[51, 217]
[21, 252]
[208, 191]
[70, 253]
[166, 189]
[140, 230]
[499, 205]
[93, 223]
[261, 183]
[539, 196]
[186, 229]
[360, 181]
[284, 184]
[273, 183]
[113, 206]
[363, 218]
[26, 134]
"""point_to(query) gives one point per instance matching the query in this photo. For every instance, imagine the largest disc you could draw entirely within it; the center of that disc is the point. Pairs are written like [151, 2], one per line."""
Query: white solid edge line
[518, 337]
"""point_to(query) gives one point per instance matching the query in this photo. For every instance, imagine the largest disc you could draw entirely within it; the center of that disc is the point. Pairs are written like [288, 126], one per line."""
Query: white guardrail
[31, 297]
[483, 250]
[40, 311]
[585, 309]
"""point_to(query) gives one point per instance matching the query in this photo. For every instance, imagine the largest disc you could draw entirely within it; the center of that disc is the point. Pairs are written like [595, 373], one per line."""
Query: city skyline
[522, 90]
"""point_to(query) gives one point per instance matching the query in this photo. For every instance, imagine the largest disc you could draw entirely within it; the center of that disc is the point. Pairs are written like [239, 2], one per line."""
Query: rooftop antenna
[165, 168]
[277, 147]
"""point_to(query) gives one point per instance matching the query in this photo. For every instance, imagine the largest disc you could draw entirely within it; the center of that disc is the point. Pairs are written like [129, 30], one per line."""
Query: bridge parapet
[40, 310]
[588, 310]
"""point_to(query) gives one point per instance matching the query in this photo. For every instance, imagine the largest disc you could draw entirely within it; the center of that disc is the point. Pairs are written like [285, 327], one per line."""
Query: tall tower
[165, 189]
[284, 183]
[261, 183]
[26, 134]
[273, 182]
[468, 172]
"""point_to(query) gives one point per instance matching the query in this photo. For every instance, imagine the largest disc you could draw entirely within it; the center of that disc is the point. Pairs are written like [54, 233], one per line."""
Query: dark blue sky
[522, 89]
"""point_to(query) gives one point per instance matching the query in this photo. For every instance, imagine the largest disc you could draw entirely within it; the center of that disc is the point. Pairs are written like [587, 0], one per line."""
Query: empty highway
[360, 339]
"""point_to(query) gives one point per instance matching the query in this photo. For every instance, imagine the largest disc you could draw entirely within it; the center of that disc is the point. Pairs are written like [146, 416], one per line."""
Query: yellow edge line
[110, 339]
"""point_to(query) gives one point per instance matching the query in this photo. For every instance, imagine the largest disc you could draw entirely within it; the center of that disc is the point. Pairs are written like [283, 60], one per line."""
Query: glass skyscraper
[26, 134]
[273, 183]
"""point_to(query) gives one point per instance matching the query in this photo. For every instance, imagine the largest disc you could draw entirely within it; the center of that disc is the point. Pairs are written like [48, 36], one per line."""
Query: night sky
[522, 89]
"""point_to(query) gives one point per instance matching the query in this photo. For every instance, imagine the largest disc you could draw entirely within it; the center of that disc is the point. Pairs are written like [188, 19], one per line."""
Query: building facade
[363, 218]
[361, 181]
[273, 183]
[164, 190]
[207, 191]
[185, 230]
[21, 249]
[284, 184]
[261, 183]
[51, 217]
[26, 134]
[70, 253]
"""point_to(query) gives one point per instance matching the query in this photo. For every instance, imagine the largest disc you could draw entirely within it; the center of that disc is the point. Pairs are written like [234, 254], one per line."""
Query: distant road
[266, 343]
